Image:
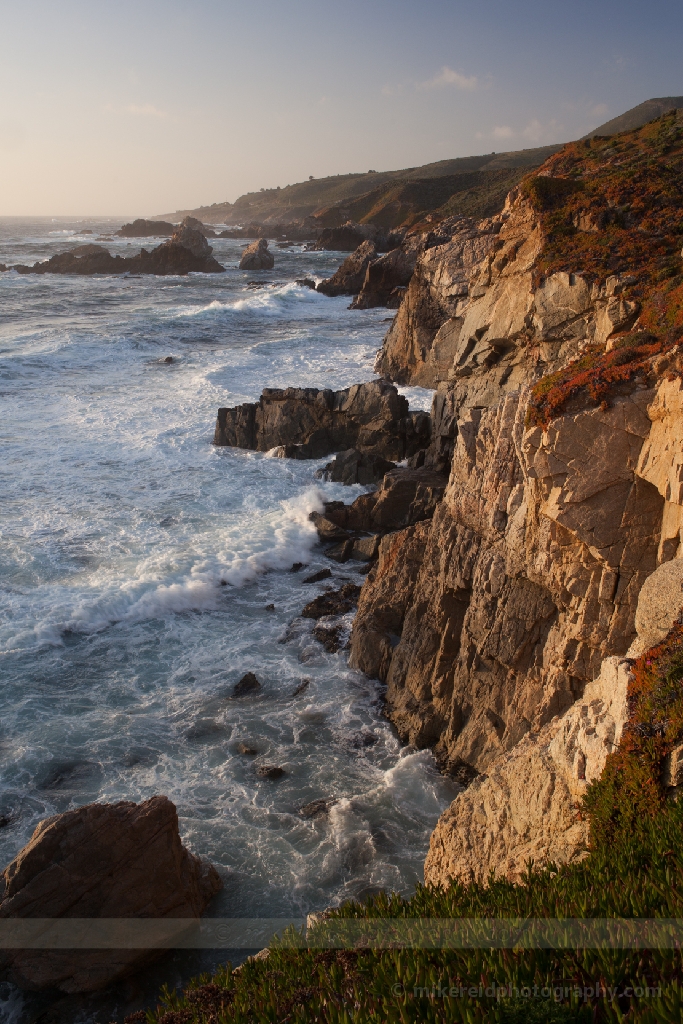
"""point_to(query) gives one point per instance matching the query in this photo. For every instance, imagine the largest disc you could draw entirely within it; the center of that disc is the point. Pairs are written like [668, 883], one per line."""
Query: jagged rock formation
[257, 257]
[387, 278]
[187, 251]
[307, 423]
[119, 860]
[142, 228]
[348, 280]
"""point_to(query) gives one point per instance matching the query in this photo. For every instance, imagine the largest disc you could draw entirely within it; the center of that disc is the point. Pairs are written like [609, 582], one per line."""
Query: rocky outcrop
[354, 467]
[348, 280]
[141, 228]
[196, 225]
[187, 235]
[307, 423]
[527, 577]
[121, 860]
[346, 238]
[257, 257]
[386, 279]
[171, 257]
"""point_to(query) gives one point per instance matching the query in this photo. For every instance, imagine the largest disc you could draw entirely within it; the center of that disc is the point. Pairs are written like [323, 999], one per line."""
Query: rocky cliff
[551, 333]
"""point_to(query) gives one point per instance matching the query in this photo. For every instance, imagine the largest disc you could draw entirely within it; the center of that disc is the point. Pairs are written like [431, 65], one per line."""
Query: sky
[142, 108]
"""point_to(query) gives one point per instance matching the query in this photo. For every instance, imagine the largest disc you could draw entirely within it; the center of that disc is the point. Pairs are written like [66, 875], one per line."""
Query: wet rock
[301, 688]
[168, 359]
[348, 280]
[296, 566]
[64, 775]
[246, 750]
[308, 423]
[270, 607]
[204, 729]
[405, 497]
[327, 530]
[354, 467]
[317, 808]
[340, 552]
[334, 602]
[318, 577]
[141, 228]
[306, 282]
[257, 257]
[270, 771]
[120, 860]
[330, 637]
[247, 684]
[363, 740]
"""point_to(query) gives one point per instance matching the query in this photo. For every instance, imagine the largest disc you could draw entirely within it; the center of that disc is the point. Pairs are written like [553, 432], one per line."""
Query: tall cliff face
[491, 621]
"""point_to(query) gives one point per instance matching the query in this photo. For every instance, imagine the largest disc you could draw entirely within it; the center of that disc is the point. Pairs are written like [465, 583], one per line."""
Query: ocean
[136, 564]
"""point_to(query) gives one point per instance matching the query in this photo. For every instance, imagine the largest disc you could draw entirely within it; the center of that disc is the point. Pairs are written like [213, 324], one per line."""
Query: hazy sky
[146, 107]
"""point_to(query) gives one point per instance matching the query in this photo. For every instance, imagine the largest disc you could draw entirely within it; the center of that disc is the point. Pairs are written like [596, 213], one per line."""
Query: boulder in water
[120, 860]
[348, 280]
[141, 228]
[257, 257]
[247, 684]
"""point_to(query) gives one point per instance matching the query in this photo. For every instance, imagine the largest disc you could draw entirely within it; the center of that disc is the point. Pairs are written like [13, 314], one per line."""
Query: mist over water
[136, 563]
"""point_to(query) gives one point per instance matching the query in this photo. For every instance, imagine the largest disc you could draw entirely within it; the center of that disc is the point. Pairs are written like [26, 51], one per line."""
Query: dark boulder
[246, 750]
[330, 637]
[342, 239]
[196, 225]
[189, 237]
[317, 808]
[120, 860]
[307, 423]
[354, 467]
[318, 577]
[334, 602]
[141, 228]
[348, 280]
[247, 684]
[257, 257]
[306, 282]
[270, 771]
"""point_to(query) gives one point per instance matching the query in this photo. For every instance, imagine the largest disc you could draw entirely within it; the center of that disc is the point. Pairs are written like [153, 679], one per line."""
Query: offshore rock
[342, 239]
[101, 861]
[188, 235]
[257, 257]
[168, 258]
[348, 280]
[308, 423]
[141, 228]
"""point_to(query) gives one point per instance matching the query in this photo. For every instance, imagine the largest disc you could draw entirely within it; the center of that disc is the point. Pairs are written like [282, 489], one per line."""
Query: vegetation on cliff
[631, 793]
[611, 206]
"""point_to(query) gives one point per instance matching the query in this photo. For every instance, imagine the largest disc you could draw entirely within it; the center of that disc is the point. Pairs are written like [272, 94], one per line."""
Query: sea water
[137, 562]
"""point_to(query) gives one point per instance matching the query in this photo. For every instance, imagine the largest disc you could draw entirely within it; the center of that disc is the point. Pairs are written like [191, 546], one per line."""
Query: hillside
[295, 202]
[636, 117]
[470, 186]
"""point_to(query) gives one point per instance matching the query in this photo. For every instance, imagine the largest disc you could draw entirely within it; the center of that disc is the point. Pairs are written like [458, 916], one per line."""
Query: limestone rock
[121, 860]
[348, 280]
[309, 423]
[257, 257]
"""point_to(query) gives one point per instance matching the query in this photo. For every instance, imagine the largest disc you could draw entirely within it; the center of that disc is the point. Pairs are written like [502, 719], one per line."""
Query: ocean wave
[270, 300]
